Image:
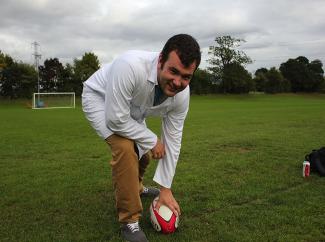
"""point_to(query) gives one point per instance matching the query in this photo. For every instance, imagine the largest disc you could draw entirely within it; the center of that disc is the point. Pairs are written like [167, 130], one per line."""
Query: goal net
[54, 100]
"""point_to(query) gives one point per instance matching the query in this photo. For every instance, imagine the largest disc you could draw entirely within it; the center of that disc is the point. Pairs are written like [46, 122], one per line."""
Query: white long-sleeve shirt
[119, 96]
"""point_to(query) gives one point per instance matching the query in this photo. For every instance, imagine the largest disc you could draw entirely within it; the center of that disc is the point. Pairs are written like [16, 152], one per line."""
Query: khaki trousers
[127, 175]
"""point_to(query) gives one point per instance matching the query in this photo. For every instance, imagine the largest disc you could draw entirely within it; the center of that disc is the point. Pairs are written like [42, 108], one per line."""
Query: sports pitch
[239, 177]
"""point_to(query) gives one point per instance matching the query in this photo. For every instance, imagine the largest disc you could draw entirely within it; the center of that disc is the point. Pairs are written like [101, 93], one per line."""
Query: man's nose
[177, 81]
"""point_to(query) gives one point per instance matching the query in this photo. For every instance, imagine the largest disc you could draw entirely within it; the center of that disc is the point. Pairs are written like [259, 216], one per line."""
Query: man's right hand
[166, 198]
[158, 151]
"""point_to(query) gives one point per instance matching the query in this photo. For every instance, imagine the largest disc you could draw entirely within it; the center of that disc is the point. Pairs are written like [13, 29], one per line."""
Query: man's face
[173, 76]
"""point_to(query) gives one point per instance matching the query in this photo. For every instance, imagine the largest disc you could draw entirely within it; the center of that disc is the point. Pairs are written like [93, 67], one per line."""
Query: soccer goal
[54, 100]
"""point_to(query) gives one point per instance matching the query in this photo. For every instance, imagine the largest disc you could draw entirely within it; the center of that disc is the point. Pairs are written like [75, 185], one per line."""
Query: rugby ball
[163, 220]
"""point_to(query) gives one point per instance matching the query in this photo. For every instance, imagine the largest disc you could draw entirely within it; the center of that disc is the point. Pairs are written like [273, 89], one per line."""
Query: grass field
[239, 177]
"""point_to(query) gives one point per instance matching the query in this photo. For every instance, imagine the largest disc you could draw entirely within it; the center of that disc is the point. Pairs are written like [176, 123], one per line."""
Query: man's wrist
[164, 189]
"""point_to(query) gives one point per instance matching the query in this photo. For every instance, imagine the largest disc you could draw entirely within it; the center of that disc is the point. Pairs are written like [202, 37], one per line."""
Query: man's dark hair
[186, 47]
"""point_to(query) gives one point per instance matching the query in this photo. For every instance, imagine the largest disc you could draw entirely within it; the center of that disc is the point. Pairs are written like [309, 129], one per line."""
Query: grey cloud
[68, 29]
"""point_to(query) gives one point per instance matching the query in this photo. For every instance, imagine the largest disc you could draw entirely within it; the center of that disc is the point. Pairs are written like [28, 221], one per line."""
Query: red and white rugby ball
[163, 220]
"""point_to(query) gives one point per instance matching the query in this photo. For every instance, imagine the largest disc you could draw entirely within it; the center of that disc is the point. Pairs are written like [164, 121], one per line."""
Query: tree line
[226, 73]
[21, 80]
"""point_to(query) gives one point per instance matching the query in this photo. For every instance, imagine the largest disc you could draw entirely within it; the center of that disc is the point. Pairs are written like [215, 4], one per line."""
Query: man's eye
[186, 78]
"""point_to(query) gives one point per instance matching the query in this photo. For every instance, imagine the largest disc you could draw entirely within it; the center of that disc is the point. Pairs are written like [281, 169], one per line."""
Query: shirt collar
[153, 73]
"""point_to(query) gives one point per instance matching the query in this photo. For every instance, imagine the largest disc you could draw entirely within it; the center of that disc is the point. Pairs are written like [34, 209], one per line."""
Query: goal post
[54, 100]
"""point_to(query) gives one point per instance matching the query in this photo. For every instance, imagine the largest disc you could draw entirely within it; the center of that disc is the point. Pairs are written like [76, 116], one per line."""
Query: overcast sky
[274, 30]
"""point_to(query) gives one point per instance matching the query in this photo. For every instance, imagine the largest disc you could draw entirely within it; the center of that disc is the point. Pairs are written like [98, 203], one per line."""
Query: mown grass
[238, 178]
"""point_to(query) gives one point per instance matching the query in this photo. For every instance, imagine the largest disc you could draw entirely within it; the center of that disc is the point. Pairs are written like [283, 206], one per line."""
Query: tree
[225, 53]
[83, 69]
[317, 73]
[18, 80]
[322, 86]
[302, 75]
[65, 82]
[201, 82]
[225, 59]
[50, 75]
[28, 80]
[236, 79]
[275, 82]
[5, 62]
[260, 79]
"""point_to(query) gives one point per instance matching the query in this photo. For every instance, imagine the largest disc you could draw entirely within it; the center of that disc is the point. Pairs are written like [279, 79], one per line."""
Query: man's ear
[160, 61]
